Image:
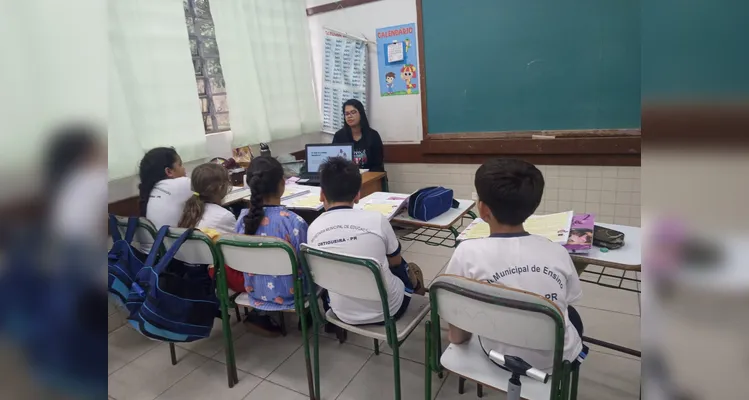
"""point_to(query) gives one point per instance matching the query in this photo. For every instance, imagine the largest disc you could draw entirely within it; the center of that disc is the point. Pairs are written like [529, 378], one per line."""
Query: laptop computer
[316, 154]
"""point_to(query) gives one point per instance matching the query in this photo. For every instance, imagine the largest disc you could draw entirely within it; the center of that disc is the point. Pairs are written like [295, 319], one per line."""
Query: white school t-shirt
[527, 262]
[218, 218]
[364, 234]
[166, 203]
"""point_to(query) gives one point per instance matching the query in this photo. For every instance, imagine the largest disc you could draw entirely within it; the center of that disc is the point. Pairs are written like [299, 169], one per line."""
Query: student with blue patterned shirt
[267, 217]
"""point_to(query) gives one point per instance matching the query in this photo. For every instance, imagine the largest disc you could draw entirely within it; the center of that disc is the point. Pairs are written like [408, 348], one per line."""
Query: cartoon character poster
[396, 60]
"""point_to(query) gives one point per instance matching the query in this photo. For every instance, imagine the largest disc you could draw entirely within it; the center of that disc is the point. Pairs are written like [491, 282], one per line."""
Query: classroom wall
[611, 193]
[396, 118]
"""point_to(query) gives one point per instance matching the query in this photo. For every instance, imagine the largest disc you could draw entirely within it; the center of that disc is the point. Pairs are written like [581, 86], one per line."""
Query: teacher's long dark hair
[363, 122]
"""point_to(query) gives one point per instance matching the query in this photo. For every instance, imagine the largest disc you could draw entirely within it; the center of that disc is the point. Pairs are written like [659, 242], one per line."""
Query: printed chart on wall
[396, 60]
[344, 77]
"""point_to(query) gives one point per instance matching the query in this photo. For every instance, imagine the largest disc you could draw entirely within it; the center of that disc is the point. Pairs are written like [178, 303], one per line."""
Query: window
[207, 63]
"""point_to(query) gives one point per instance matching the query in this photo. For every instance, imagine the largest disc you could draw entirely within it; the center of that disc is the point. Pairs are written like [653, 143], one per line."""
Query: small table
[443, 222]
[627, 258]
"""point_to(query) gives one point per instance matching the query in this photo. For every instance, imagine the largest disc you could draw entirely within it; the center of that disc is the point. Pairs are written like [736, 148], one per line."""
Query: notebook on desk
[316, 154]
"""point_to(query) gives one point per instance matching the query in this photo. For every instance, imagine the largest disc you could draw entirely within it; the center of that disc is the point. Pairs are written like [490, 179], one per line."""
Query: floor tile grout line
[205, 360]
[602, 309]
[372, 354]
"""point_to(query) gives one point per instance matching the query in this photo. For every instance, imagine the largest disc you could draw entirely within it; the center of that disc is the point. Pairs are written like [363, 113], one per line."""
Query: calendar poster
[396, 60]
[344, 77]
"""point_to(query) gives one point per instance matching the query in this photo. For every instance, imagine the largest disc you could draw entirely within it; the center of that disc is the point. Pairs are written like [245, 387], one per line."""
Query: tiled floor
[274, 369]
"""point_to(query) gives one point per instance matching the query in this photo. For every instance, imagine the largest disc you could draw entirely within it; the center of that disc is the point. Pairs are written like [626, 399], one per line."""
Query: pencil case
[608, 238]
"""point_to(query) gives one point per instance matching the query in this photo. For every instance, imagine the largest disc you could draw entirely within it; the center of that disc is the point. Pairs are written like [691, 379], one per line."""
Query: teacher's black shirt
[367, 151]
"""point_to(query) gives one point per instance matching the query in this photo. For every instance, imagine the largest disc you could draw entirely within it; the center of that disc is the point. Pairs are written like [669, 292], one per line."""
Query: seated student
[164, 188]
[267, 217]
[509, 192]
[203, 210]
[361, 233]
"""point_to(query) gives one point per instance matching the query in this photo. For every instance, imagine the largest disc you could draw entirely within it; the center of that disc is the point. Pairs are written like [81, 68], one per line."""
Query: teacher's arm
[376, 157]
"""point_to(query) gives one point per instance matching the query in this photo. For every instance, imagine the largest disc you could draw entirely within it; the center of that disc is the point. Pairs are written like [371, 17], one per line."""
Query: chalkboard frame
[566, 142]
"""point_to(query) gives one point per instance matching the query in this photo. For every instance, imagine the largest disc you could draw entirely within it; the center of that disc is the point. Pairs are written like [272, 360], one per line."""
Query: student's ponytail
[210, 183]
[193, 211]
[263, 177]
[152, 169]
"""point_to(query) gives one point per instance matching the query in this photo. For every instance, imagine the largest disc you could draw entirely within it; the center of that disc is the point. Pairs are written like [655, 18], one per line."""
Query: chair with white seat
[359, 278]
[145, 232]
[199, 249]
[266, 255]
[506, 315]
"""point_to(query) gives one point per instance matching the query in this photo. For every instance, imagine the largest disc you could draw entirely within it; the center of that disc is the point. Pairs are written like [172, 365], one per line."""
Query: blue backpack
[125, 261]
[430, 202]
[171, 300]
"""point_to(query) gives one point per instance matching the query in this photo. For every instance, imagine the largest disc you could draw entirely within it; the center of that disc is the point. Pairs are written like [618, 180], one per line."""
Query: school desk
[438, 231]
[372, 182]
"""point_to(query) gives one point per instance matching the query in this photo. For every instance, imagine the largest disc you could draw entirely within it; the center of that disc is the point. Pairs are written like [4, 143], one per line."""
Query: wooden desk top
[371, 176]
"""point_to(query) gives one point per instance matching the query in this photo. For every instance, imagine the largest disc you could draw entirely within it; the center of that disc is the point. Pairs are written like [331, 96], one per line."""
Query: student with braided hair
[267, 217]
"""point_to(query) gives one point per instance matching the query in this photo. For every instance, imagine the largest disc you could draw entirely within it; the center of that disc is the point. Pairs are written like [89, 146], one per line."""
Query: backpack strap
[156, 246]
[132, 226]
[164, 261]
[455, 203]
[113, 230]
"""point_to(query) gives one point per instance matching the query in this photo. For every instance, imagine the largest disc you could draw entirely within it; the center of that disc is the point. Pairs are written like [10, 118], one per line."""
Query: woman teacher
[367, 142]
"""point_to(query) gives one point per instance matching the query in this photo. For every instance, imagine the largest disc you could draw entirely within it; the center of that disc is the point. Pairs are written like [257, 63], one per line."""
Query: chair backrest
[507, 315]
[357, 277]
[197, 249]
[262, 255]
[145, 233]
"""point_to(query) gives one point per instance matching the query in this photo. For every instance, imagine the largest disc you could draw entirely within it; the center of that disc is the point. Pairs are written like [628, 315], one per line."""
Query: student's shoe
[262, 325]
[417, 279]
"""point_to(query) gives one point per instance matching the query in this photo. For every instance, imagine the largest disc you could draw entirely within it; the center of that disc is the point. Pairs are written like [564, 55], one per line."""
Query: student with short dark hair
[509, 191]
[365, 234]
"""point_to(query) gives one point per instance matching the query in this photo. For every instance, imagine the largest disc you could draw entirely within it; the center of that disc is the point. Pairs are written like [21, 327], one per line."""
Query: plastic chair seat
[469, 361]
[244, 300]
[415, 313]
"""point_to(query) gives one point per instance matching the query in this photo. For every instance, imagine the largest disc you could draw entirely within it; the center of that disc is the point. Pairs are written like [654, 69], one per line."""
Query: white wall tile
[611, 193]
[593, 208]
[608, 197]
[608, 184]
[635, 198]
[595, 183]
[623, 197]
[579, 183]
[593, 196]
[609, 172]
[624, 185]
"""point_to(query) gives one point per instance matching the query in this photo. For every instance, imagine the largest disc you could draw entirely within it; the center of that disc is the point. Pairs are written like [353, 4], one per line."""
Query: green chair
[502, 314]
[145, 232]
[359, 278]
[200, 249]
[265, 255]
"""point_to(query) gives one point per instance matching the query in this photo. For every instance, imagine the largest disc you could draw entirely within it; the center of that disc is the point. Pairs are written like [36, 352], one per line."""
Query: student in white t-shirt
[361, 233]
[210, 183]
[509, 192]
[164, 188]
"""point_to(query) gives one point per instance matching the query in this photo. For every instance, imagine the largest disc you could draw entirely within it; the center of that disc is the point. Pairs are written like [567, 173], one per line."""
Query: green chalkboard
[520, 65]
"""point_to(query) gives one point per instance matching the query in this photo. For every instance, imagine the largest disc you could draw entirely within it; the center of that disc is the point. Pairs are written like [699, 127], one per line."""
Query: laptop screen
[317, 154]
